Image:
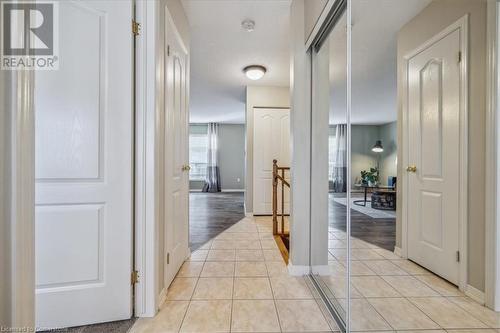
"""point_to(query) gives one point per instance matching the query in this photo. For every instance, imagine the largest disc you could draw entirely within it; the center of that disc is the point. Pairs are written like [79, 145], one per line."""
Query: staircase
[280, 219]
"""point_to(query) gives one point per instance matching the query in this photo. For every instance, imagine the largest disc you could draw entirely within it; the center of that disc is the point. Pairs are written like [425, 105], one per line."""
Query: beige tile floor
[392, 294]
[238, 282]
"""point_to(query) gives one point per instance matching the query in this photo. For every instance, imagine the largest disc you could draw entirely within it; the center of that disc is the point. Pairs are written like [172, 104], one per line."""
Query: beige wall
[434, 18]
[266, 97]
[388, 158]
[312, 11]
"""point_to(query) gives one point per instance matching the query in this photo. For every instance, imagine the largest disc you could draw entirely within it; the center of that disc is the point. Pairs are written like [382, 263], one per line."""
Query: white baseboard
[248, 214]
[398, 251]
[322, 270]
[297, 270]
[233, 190]
[162, 298]
[475, 294]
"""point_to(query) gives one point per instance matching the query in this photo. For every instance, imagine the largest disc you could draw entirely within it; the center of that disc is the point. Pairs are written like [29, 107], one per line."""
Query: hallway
[238, 282]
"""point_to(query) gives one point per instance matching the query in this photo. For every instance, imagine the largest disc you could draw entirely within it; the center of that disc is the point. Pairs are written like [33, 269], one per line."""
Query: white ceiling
[374, 60]
[220, 49]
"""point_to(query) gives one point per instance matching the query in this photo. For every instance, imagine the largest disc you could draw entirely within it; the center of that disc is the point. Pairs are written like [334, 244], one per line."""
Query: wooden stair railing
[279, 177]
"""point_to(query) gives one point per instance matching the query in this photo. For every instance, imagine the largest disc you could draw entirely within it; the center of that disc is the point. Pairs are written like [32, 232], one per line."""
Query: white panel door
[83, 215]
[434, 148]
[176, 153]
[271, 140]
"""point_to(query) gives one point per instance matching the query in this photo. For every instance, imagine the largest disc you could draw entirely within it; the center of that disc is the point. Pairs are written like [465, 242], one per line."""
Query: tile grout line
[191, 298]
[274, 299]
[415, 276]
[232, 301]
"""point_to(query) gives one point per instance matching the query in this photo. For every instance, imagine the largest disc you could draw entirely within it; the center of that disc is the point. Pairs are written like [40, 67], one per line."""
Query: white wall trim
[146, 247]
[399, 252]
[162, 297]
[298, 270]
[23, 201]
[476, 294]
[492, 200]
[233, 190]
[462, 24]
[322, 270]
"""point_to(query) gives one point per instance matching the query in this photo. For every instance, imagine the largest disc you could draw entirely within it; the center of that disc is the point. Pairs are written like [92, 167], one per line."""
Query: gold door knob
[411, 168]
[186, 167]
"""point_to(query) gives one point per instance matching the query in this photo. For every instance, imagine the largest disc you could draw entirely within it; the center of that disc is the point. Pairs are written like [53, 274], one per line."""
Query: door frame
[146, 137]
[150, 103]
[492, 198]
[462, 25]
[22, 202]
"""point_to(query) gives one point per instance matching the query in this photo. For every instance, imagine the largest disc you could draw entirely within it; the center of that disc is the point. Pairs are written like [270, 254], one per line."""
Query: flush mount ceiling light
[248, 25]
[254, 72]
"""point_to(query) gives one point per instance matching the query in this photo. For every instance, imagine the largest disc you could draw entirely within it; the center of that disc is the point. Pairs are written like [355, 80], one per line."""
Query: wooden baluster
[283, 202]
[275, 197]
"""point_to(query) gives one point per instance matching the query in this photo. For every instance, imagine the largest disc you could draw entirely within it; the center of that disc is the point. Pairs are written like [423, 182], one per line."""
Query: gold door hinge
[136, 28]
[459, 57]
[168, 258]
[458, 256]
[134, 278]
[168, 50]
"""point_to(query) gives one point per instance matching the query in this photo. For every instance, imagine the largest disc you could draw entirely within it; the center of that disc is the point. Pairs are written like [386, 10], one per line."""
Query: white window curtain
[212, 179]
[339, 163]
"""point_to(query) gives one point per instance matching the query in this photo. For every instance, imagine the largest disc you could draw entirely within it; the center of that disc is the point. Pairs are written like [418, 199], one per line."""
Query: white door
[176, 153]
[83, 218]
[434, 149]
[271, 140]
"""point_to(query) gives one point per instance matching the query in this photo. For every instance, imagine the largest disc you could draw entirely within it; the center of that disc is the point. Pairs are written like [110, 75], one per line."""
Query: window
[198, 144]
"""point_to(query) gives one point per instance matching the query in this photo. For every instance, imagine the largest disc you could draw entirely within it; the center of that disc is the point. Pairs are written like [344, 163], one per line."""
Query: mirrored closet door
[329, 183]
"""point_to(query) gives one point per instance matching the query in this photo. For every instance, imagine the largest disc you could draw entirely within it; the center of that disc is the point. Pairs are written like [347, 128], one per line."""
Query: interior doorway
[84, 169]
[435, 203]
[271, 142]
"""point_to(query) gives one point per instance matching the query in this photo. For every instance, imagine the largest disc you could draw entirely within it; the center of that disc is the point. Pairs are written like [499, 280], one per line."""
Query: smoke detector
[248, 25]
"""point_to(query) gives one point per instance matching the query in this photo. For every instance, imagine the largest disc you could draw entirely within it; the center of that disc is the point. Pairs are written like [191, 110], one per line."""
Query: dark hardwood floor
[380, 231]
[212, 213]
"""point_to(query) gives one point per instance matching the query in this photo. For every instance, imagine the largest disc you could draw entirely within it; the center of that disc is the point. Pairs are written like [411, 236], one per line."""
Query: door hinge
[168, 258]
[134, 277]
[458, 256]
[136, 28]
[459, 57]
[168, 50]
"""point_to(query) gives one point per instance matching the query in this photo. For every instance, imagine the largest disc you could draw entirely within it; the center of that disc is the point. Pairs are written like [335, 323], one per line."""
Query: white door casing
[176, 152]
[83, 215]
[271, 141]
[435, 143]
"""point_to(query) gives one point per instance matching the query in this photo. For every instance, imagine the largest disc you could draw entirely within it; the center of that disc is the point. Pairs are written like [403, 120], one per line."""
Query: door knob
[411, 168]
[186, 167]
